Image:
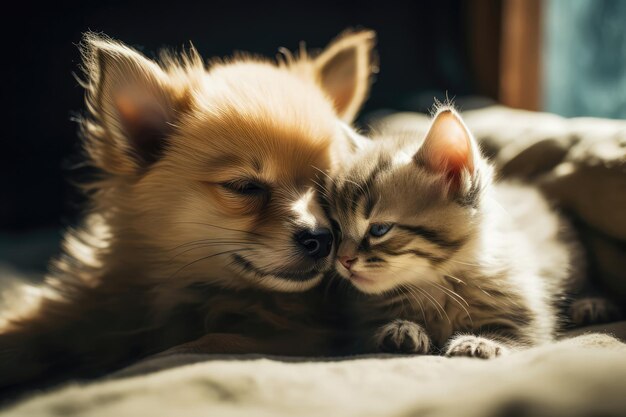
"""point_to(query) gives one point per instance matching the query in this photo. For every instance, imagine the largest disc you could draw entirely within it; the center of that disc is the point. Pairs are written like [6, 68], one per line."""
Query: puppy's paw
[402, 336]
[475, 347]
[593, 310]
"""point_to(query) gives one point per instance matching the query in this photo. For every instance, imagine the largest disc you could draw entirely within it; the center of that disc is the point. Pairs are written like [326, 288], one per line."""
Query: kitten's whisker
[397, 294]
[320, 184]
[357, 184]
[453, 295]
[500, 294]
[464, 263]
[416, 298]
[322, 190]
[436, 303]
[449, 275]
[394, 299]
[451, 292]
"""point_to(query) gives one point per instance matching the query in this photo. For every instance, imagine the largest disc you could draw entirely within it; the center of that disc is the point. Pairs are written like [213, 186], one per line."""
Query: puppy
[203, 219]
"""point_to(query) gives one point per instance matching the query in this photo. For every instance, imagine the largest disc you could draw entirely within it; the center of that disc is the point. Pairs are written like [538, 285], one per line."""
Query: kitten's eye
[245, 187]
[380, 229]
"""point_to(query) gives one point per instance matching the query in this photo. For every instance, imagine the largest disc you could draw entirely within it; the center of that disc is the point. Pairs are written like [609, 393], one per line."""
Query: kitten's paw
[592, 310]
[402, 336]
[475, 347]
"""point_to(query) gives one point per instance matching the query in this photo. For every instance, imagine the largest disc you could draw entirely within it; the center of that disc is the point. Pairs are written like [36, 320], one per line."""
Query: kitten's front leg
[472, 346]
[402, 336]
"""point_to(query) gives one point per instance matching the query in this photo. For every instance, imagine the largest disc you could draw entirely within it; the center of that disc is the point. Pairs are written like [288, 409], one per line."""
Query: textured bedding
[580, 164]
[582, 376]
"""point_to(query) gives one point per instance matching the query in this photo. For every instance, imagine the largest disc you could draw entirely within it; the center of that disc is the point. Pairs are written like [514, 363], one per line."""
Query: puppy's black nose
[315, 243]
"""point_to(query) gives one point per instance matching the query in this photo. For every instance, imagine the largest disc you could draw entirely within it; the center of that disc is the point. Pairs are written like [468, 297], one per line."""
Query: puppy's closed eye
[247, 188]
[245, 195]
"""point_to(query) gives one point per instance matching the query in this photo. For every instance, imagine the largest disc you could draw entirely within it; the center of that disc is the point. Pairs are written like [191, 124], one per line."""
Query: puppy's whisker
[331, 179]
[322, 189]
[202, 246]
[226, 252]
[223, 228]
[216, 241]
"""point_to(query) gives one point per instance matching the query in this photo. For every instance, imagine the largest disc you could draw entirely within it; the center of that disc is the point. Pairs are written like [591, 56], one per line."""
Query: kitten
[443, 257]
[203, 218]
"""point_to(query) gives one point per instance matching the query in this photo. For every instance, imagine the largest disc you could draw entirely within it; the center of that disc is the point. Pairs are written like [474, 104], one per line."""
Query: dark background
[423, 51]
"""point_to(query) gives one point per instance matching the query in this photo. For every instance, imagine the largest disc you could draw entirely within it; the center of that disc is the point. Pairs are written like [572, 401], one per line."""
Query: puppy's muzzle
[315, 243]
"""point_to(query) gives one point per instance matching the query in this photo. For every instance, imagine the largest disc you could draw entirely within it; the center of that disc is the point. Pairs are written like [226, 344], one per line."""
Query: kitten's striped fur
[465, 256]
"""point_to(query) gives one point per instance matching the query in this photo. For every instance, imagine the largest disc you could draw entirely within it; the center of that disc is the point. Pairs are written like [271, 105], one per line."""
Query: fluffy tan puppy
[204, 218]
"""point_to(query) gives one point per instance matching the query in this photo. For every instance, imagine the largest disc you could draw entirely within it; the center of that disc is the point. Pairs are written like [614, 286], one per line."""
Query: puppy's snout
[316, 243]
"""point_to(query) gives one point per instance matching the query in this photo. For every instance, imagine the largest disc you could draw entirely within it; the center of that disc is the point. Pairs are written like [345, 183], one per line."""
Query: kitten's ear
[448, 148]
[131, 101]
[344, 70]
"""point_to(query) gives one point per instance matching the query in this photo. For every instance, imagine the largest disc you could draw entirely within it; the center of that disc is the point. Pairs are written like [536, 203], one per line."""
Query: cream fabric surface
[582, 376]
[580, 163]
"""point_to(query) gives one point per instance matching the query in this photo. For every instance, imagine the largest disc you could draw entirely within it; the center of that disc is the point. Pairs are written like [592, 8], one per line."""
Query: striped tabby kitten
[443, 258]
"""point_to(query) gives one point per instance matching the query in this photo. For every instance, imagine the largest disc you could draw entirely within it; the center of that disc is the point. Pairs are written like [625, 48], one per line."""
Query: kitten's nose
[347, 261]
[315, 243]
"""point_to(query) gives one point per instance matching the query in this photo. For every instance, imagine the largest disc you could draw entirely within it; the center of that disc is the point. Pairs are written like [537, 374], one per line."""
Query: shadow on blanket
[580, 376]
[159, 363]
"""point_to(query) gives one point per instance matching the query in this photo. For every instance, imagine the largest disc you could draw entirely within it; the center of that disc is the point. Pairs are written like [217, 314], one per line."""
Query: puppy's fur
[206, 176]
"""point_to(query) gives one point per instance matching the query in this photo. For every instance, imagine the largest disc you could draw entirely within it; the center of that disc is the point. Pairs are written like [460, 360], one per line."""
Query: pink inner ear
[139, 111]
[128, 110]
[144, 122]
[447, 147]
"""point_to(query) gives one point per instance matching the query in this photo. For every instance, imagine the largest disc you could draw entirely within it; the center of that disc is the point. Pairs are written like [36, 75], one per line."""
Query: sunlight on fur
[204, 206]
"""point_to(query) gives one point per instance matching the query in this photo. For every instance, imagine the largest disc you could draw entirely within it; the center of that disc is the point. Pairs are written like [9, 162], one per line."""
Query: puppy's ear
[132, 106]
[344, 71]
